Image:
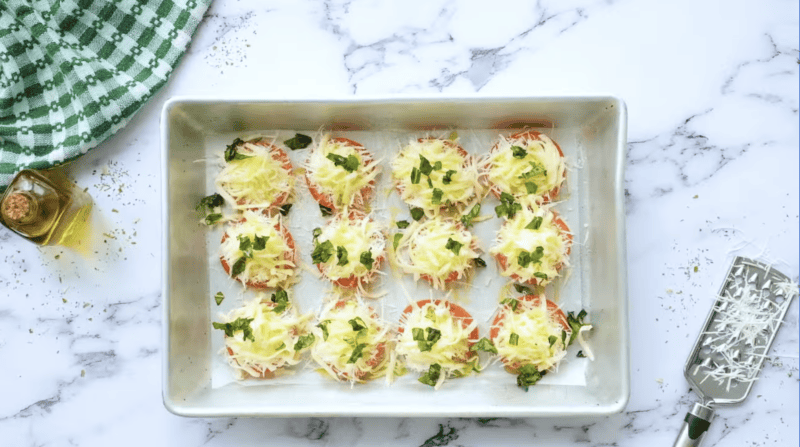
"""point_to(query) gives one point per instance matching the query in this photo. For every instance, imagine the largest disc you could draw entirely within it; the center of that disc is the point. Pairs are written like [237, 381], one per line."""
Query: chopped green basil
[317, 232]
[304, 341]
[281, 298]
[366, 260]
[219, 297]
[522, 289]
[524, 259]
[531, 187]
[238, 267]
[425, 165]
[211, 219]
[239, 324]
[437, 166]
[540, 275]
[324, 326]
[479, 262]
[402, 224]
[415, 176]
[325, 210]
[436, 197]
[535, 223]
[349, 164]
[341, 255]
[285, 209]
[518, 152]
[397, 237]
[513, 340]
[581, 354]
[357, 324]
[245, 246]
[485, 345]
[453, 246]
[417, 213]
[510, 302]
[467, 219]
[232, 154]
[358, 352]
[447, 178]
[260, 242]
[299, 141]
[575, 324]
[528, 376]
[208, 203]
[432, 376]
[536, 170]
[508, 207]
[322, 252]
[552, 339]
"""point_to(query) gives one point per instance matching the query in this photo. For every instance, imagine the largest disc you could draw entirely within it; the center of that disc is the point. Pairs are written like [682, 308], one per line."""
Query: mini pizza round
[349, 250]
[352, 341]
[531, 335]
[257, 175]
[433, 173]
[439, 250]
[265, 335]
[341, 173]
[533, 246]
[435, 338]
[258, 251]
[527, 165]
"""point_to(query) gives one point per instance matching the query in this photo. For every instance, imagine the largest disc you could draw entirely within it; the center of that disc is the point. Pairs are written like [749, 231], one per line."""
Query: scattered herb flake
[240, 324]
[211, 219]
[479, 262]
[281, 298]
[304, 341]
[453, 246]
[436, 197]
[366, 259]
[447, 178]
[518, 152]
[513, 340]
[397, 237]
[528, 376]
[402, 224]
[531, 187]
[467, 219]
[341, 255]
[238, 267]
[417, 213]
[415, 176]
[349, 164]
[322, 252]
[485, 345]
[432, 376]
[299, 141]
[260, 242]
[425, 165]
[325, 210]
[324, 326]
[231, 152]
[285, 209]
[358, 352]
[219, 297]
[535, 223]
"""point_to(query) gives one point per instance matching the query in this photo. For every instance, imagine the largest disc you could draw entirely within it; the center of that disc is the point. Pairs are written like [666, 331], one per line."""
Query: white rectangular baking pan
[592, 134]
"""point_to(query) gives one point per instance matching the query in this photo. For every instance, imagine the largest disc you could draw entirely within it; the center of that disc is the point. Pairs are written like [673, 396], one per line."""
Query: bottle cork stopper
[16, 206]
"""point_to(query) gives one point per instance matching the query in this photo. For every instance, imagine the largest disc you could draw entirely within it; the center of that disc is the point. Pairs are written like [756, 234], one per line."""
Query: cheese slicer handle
[695, 426]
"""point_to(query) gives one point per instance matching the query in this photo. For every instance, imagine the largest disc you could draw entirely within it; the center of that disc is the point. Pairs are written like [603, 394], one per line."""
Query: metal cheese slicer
[734, 342]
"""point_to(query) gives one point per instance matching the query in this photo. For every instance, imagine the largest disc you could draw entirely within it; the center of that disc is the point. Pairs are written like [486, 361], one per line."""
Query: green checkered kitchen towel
[73, 72]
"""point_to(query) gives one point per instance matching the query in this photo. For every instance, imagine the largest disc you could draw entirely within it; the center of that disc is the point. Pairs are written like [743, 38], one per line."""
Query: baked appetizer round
[531, 335]
[533, 246]
[439, 250]
[351, 341]
[349, 250]
[340, 173]
[258, 251]
[265, 335]
[528, 165]
[432, 173]
[435, 337]
[257, 175]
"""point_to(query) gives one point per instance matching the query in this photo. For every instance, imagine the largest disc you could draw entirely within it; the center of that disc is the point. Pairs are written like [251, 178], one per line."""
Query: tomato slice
[502, 259]
[400, 188]
[290, 255]
[536, 136]
[377, 357]
[280, 156]
[353, 281]
[327, 199]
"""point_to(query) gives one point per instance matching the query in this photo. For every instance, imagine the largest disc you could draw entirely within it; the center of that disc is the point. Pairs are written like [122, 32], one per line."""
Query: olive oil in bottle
[45, 210]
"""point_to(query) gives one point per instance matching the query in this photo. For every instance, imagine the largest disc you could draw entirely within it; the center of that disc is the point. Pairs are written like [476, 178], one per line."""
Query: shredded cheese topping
[275, 337]
[347, 354]
[268, 266]
[256, 181]
[462, 185]
[356, 236]
[344, 187]
[423, 250]
[509, 174]
[450, 351]
[533, 325]
[514, 238]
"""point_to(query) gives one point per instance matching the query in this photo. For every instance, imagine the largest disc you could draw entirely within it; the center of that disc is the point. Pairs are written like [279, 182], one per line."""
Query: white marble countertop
[712, 172]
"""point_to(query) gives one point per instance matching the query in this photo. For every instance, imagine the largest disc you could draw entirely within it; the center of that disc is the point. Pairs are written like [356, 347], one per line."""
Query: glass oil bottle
[46, 209]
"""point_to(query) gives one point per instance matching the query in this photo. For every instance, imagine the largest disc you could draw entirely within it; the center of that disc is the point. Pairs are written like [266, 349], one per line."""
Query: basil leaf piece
[260, 242]
[447, 178]
[415, 176]
[211, 219]
[358, 352]
[238, 267]
[231, 153]
[397, 237]
[508, 207]
[430, 314]
[437, 166]
[299, 141]
[522, 289]
[518, 152]
[453, 136]
[322, 252]
[425, 165]
[535, 223]
[513, 340]
[531, 187]
[349, 164]
[402, 224]
[536, 255]
[430, 182]
[285, 209]
[357, 324]
[580, 355]
[485, 345]
[528, 376]
[575, 324]
[324, 326]
[537, 169]
[417, 334]
[564, 338]
[417, 213]
[469, 217]
[281, 346]
[304, 341]
[325, 210]
[453, 246]
[341, 255]
[552, 339]
[245, 246]
[366, 259]
[540, 275]
[317, 232]
[208, 203]
[510, 302]
[524, 259]
[479, 262]
[432, 376]
[239, 324]
[281, 298]
[219, 297]
[436, 197]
